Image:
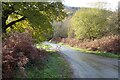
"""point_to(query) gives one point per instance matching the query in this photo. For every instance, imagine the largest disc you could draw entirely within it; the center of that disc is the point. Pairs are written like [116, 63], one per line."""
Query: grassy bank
[105, 54]
[54, 67]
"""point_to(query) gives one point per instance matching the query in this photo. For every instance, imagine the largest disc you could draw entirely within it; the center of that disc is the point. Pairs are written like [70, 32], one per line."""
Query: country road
[86, 65]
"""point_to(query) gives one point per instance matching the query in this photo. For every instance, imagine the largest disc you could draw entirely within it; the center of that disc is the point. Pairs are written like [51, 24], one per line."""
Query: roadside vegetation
[100, 53]
[24, 60]
[54, 66]
[98, 47]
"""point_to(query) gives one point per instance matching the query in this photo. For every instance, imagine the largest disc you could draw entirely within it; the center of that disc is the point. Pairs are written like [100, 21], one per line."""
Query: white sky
[113, 4]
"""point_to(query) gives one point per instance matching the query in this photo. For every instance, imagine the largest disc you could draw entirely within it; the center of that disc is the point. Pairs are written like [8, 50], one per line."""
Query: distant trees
[91, 23]
[61, 28]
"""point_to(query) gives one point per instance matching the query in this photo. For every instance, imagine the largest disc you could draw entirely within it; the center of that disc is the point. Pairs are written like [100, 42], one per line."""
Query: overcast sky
[113, 4]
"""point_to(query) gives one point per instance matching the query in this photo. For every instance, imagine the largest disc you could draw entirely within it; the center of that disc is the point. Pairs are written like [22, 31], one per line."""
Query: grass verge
[54, 67]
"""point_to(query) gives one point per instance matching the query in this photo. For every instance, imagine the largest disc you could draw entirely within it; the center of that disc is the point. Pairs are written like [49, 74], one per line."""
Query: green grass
[100, 53]
[105, 54]
[54, 67]
[43, 46]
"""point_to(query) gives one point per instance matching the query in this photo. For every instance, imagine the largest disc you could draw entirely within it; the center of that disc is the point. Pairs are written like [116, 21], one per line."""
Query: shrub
[18, 50]
[107, 44]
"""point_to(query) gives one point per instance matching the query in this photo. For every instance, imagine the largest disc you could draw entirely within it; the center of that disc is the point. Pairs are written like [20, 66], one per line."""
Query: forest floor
[88, 65]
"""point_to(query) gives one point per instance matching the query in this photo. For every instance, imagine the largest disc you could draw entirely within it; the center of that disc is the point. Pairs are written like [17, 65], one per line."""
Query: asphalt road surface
[86, 65]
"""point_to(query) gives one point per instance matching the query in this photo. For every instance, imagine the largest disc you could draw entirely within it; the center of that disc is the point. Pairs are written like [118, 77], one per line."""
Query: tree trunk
[3, 25]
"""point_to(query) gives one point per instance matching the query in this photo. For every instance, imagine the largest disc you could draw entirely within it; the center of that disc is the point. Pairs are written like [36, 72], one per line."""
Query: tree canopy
[90, 23]
[35, 16]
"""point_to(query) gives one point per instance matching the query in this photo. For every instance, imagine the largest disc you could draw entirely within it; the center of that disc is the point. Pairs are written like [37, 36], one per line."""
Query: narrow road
[88, 65]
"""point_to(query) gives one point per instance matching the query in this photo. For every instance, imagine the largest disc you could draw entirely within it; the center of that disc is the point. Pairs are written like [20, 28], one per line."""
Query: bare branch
[13, 22]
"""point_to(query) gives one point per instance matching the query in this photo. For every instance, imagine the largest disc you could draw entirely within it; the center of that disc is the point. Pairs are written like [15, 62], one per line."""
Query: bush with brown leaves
[17, 51]
[106, 44]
